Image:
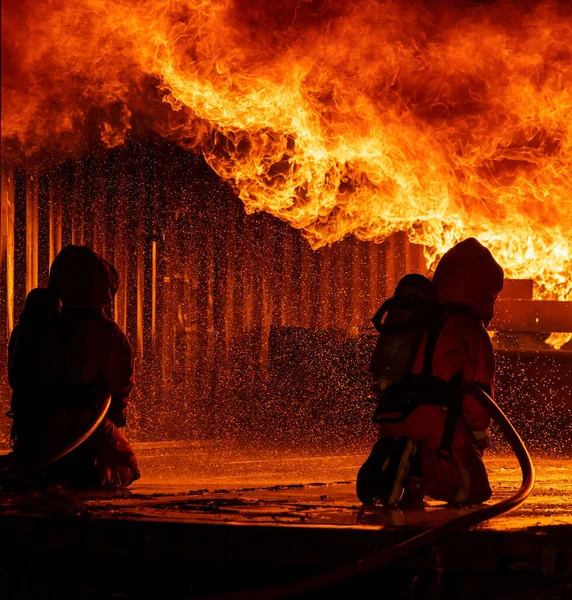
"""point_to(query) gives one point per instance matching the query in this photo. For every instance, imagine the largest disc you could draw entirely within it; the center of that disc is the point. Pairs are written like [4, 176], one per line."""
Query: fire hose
[17, 467]
[418, 542]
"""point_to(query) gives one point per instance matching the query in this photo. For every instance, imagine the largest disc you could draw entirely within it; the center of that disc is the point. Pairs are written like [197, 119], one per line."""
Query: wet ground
[259, 517]
[201, 482]
[285, 486]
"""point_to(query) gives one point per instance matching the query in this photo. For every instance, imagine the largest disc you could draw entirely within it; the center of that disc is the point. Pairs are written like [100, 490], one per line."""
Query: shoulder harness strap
[455, 400]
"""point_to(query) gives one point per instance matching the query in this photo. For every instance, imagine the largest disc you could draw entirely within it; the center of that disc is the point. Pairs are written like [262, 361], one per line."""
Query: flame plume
[441, 119]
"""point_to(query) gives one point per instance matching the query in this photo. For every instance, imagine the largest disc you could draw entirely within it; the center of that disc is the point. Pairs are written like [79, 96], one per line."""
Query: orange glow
[558, 339]
[441, 119]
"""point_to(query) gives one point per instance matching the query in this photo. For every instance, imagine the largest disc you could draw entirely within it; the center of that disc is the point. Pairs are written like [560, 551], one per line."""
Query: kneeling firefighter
[61, 362]
[432, 339]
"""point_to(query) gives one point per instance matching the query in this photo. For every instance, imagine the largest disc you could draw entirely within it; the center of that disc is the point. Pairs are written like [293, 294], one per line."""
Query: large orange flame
[441, 119]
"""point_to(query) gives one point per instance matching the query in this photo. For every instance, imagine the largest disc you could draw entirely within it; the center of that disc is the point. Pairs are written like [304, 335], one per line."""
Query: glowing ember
[440, 119]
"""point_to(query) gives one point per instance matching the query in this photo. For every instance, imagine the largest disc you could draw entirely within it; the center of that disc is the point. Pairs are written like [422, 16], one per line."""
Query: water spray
[432, 536]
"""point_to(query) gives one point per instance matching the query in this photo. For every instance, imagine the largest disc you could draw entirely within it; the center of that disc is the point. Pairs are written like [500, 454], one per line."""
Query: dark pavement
[263, 517]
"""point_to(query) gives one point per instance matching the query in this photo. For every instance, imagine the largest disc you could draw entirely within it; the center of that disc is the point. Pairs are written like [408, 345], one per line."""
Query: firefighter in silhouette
[83, 352]
[431, 438]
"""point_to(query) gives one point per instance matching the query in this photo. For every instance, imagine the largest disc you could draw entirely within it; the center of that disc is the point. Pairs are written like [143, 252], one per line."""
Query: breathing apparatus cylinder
[401, 321]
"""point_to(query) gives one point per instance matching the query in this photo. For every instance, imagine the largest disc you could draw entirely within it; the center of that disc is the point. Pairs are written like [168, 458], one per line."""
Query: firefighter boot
[370, 476]
[383, 475]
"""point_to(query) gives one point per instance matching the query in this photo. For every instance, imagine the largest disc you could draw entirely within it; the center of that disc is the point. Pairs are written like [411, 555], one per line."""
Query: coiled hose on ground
[416, 543]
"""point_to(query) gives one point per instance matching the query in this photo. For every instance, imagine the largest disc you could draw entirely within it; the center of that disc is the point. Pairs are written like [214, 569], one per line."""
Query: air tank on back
[401, 322]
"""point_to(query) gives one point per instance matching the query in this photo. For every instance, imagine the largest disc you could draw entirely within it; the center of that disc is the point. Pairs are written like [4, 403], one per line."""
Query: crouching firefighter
[432, 339]
[63, 365]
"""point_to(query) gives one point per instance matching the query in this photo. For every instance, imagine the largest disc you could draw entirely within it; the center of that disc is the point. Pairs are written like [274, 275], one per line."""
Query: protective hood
[82, 279]
[469, 275]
